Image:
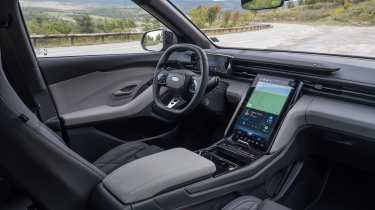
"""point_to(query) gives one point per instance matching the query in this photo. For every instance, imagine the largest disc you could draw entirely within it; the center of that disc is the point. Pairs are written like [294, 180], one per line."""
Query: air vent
[249, 70]
[244, 67]
[342, 92]
[242, 70]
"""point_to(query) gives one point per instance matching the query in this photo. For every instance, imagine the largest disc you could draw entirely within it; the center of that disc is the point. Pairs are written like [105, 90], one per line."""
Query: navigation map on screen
[268, 97]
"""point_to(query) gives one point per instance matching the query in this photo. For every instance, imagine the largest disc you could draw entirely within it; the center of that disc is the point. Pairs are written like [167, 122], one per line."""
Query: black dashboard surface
[354, 72]
[350, 70]
[351, 78]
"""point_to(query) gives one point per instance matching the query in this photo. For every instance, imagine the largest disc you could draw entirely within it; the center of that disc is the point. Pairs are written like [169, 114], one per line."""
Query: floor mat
[307, 185]
[346, 189]
[18, 203]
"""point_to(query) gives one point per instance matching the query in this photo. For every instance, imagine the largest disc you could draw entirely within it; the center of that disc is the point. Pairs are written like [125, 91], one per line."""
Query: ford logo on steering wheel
[175, 79]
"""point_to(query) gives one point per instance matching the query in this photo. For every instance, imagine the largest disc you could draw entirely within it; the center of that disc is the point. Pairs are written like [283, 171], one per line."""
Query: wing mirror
[158, 40]
[261, 4]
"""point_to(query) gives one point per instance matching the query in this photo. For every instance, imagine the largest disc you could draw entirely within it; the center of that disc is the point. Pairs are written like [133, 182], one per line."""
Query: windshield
[344, 27]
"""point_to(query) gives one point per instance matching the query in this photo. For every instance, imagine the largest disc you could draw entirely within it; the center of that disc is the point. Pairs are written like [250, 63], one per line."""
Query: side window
[74, 28]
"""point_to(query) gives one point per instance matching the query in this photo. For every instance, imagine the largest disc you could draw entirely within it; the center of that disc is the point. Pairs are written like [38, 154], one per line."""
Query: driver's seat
[39, 161]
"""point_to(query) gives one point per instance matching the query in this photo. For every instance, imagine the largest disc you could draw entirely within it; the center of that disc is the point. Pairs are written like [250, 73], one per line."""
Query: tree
[213, 13]
[84, 23]
[199, 16]
[290, 4]
[236, 18]
[151, 24]
[61, 26]
[247, 17]
[36, 24]
[226, 18]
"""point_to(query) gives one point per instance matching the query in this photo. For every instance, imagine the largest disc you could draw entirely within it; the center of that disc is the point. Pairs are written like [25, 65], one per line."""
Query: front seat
[39, 161]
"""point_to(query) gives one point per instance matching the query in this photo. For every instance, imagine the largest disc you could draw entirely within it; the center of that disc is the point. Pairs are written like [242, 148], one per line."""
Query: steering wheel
[184, 87]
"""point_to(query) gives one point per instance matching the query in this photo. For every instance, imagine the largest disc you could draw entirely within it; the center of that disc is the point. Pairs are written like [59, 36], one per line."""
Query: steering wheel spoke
[176, 102]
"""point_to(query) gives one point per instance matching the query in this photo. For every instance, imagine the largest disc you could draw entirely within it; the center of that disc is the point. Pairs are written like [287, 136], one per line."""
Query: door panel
[92, 89]
[114, 88]
[58, 69]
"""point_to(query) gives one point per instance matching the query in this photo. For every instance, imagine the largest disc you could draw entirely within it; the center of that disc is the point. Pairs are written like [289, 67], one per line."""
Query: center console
[255, 123]
[177, 178]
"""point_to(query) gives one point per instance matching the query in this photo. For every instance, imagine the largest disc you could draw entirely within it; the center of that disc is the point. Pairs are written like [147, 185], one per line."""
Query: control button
[266, 128]
[193, 86]
[162, 78]
[253, 137]
[258, 138]
[269, 120]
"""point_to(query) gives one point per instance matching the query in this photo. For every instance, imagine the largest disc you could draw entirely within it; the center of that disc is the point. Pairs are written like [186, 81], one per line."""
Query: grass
[354, 14]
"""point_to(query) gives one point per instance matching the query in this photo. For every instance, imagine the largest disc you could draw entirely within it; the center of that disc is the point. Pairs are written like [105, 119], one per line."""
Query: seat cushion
[243, 203]
[253, 203]
[123, 154]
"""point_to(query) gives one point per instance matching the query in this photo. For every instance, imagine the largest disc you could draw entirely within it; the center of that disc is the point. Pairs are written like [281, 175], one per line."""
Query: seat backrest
[37, 160]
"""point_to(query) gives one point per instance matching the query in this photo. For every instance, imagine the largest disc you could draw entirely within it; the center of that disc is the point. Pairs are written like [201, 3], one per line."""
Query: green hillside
[328, 12]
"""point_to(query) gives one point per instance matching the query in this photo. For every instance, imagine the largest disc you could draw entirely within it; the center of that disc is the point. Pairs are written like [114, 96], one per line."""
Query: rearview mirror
[261, 4]
[158, 40]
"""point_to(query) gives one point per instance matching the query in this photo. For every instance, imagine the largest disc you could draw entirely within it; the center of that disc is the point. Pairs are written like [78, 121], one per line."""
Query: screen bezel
[281, 117]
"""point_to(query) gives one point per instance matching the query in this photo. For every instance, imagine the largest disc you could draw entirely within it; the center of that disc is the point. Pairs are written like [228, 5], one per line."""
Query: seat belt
[14, 70]
[18, 81]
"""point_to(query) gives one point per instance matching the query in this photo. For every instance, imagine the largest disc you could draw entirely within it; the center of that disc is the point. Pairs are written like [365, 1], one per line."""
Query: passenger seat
[253, 203]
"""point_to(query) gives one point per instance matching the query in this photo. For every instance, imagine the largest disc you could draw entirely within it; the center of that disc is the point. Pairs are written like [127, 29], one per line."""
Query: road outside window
[86, 27]
[344, 27]
[92, 27]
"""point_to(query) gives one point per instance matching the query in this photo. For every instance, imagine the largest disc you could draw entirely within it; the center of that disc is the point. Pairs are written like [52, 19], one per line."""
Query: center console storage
[229, 155]
[144, 178]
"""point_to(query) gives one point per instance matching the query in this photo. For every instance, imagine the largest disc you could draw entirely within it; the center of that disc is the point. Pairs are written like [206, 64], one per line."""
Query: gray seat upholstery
[253, 203]
[123, 154]
[39, 161]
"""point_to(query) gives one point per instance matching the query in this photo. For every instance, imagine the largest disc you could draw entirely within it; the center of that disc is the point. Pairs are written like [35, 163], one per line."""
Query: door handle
[122, 93]
[125, 91]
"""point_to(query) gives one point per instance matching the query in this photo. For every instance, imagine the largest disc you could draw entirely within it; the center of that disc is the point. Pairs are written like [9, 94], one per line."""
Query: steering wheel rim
[200, 81]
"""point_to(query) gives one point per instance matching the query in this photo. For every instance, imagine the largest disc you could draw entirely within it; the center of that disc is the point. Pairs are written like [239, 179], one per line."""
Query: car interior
[190, 126]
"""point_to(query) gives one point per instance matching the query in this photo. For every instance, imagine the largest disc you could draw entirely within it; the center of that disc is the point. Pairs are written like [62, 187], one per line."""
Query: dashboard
[332, 87]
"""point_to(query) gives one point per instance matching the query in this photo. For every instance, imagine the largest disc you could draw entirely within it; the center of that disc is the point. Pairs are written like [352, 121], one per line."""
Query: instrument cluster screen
[261, 112]
[218, 63]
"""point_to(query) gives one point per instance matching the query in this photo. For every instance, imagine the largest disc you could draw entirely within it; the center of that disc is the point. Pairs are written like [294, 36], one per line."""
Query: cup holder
[223, 165]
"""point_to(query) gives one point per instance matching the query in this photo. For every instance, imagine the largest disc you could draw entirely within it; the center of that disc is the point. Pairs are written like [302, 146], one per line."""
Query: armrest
[148, 176]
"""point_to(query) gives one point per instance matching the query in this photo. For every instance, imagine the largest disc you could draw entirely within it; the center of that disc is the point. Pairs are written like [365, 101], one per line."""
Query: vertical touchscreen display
[261, 112]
